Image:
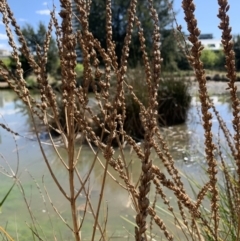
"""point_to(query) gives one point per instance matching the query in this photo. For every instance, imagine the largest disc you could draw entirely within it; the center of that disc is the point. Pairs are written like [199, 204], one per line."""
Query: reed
[189, 216]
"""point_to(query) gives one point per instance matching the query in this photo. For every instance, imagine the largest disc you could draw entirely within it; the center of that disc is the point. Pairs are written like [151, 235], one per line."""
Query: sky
[27, 12]
[206, 15]
[34, 11]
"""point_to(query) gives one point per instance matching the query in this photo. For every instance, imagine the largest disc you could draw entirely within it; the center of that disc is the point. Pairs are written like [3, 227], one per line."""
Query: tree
[34, 38]
[97, 21]
[209, 58]
[236, 47]
[213, 59]
[220, 61]
[169, 51]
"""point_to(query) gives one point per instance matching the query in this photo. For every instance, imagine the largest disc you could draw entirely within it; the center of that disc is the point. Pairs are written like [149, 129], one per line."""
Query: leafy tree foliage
[216, 59]
[209, 58]
[236, 47]
[34, 38]
[220, 61]
[97, 21]
[173, 57]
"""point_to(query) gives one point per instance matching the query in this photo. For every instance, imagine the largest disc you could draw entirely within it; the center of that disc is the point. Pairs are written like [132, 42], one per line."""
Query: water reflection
[186, 147]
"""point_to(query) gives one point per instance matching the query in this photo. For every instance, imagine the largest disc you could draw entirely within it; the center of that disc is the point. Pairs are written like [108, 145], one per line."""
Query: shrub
[209, 58]
[79, 74]
[174, 100]
[6, 62]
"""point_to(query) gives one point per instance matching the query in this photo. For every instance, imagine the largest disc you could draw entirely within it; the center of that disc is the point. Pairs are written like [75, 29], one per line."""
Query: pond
[185, 142]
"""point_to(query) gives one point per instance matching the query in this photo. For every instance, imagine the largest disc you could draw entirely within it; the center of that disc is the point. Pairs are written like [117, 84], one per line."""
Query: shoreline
[213, 87]
[4, 85]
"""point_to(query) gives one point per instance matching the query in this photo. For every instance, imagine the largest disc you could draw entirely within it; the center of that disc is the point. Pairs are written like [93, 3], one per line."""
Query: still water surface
[185, 142]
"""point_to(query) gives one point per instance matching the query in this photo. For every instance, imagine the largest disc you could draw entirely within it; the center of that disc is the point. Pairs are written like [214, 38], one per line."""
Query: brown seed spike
[227, 8]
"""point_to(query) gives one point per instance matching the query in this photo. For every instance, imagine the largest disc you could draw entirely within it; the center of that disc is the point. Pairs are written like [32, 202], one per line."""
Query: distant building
[4, 53]
[212, 44]
[209, 42]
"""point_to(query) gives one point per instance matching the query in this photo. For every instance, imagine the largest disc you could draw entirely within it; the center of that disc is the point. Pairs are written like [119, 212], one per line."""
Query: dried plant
[80, 121]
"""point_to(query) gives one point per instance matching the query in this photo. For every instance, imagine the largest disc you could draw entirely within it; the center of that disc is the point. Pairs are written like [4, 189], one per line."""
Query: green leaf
[4, 199]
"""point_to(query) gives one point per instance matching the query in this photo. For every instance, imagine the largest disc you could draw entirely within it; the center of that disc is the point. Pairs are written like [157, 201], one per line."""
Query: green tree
[214, 60]
[220, 61]
[34, 38]
[27, 70]
[209, 58]
[173, 58]
[236, 46]
[97, 21]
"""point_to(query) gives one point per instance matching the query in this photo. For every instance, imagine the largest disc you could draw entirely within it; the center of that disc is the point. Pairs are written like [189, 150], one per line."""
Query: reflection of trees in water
[226, 99]
[7, 96]
[223, 105]
[17, 114]
[178, 138]
[1, 101]
[21, 107]
[112, 189]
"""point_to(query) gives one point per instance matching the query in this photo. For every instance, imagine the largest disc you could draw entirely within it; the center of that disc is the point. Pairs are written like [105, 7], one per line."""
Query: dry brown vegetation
[190, 216]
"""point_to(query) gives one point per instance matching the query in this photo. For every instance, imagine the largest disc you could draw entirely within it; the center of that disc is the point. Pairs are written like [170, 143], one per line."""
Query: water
[186, 142]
